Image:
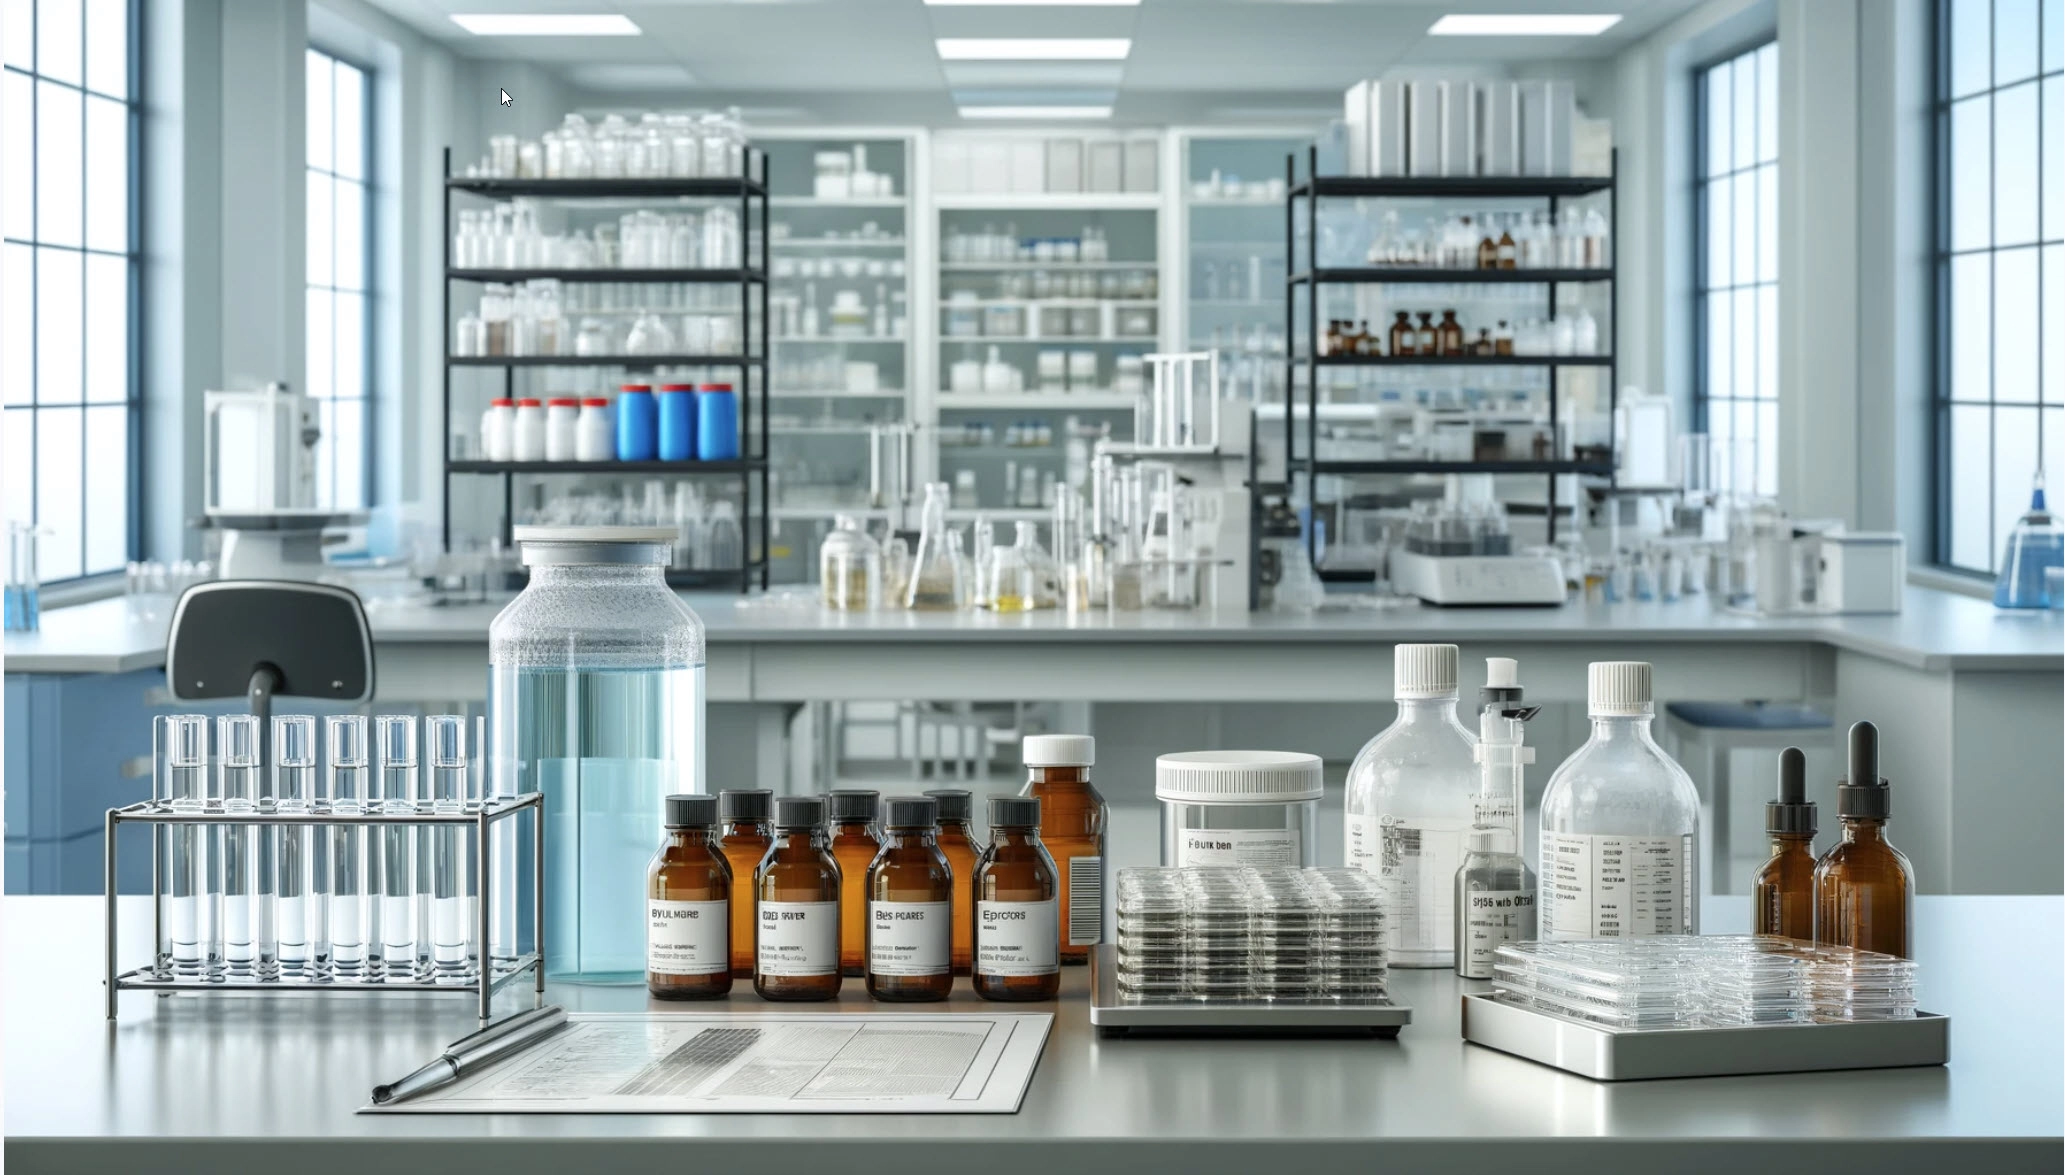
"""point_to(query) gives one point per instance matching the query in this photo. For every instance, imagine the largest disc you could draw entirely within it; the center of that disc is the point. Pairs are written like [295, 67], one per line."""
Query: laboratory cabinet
[77, 745]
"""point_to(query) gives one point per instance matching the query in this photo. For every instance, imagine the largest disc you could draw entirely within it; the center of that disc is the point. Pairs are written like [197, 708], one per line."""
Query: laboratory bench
[225, 1082]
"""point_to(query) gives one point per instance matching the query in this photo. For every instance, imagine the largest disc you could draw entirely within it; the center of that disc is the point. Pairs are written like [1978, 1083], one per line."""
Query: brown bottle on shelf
[1330, 342]
[956, 838]
[851, 814]
[1483, 346]
[688, 907]
[910, 890]
[1072, 820]
[1487, 251]
[1782, 894]
[1017, 907]
[1366, 342]
[1509, 252]
[796, 944]
[1428, 340]
[1451, 338]
[747, 819]
[1864, 887]
[1403, 336]
[1502, 342]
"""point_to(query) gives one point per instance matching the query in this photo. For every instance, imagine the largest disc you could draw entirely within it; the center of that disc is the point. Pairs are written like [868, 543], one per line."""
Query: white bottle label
[1239, 846]
[1362, 841]
[910, 938]
[1018, 938]
[1417, 858]
[1614, 886]
[687, 938]
[1085, 901]
[1491, 919]
[798, 939]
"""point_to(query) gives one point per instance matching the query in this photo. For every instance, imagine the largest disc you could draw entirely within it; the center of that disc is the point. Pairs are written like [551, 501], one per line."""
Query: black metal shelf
[741, 465]
[635, 362]
[1464, 361]
[685, 276]
[1541, 187]
[647, 188]
[694, 579]
[1588, 468]
[1431, 275]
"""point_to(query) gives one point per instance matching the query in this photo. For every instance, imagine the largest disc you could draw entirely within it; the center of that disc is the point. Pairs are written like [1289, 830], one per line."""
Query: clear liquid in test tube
[299, 874]
[247, 946]
[187, 924]
[394, 790]
[453, 878]
[345, 790]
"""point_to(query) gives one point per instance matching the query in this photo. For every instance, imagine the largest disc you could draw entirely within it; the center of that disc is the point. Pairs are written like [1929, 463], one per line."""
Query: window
[68, 262]
[1736, 376]
[340, 339]
[2000, 270]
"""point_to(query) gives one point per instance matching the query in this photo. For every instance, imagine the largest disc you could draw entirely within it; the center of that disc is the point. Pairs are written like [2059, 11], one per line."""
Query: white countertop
[1938, 631]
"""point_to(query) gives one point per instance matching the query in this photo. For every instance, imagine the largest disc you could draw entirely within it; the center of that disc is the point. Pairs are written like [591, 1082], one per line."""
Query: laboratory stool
[1718, 729]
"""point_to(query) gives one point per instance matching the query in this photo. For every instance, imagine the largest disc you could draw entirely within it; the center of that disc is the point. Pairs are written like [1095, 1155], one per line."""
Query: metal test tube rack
[488, 978]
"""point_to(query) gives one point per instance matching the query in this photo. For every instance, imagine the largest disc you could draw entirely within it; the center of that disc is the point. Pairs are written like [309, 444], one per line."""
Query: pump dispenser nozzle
[1862, 794]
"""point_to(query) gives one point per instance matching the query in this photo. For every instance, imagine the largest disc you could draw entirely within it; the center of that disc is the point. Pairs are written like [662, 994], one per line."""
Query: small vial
[299, 880]
[1017, 907]
[852, 814]
[910, 891]
[797, 891]
[1863, 886]
[688, 906]
[748, 817]
[248, 948]
[345, 791]
[1072, 822]
[192, 932]
[451, 886]
[956, 837]
[1782, 894]
[391, 850]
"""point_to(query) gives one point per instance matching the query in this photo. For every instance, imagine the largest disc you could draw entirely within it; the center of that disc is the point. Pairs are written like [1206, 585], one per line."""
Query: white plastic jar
[527, 434]
[561, 416]
[595, 437]
[495, 426]
[1239, 807]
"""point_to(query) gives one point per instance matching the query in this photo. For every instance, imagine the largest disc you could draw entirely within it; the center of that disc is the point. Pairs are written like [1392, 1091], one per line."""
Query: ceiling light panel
[1524, 24]
[1037, 113]
[546, 24]
[1034, 48]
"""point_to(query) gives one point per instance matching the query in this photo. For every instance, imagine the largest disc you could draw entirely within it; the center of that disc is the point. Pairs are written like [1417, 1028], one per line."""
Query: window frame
[366, 396]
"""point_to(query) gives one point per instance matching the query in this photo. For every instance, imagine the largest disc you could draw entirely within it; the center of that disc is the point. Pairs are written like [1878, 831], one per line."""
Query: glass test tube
[394, 847]
[452, 876]
[247, 949]
[350, 956]
[187, 926]
[499, 781]
[299, 874]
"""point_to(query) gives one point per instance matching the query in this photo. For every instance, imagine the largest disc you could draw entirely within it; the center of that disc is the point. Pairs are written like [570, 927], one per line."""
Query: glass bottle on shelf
[1509, 249]
[935, 578]
[1484, 346]
[1502, 338]
[1427, 341]
[1366, 340]
[1451, 338]
[1487, 249]
[1404, 339]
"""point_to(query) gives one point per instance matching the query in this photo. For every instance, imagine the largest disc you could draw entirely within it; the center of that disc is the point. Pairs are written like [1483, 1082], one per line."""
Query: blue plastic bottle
[638, 430]
[677, 422]
[717, 423]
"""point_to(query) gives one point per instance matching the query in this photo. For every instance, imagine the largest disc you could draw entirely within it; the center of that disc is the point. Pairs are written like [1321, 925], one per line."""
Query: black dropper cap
[852, 806]
[911, 812]
[752, 803]
[1862, 794]
[1014, 811]
[798, 811]
[1791, 814]
[955, 804]
[691, 811]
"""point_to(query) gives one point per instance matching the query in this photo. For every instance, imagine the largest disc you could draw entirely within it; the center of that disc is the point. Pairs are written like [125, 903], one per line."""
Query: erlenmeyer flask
[935, 576]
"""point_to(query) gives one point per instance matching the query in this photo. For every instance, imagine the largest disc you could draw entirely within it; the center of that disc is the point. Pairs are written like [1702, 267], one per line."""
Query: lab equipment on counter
[1072, 823]
[688, 897]
[248, 950]
[1863, 886]
[849, 567]
[1782, 892]
[957, 841]
[474, 1052]
[1409, 799]
[1017, 917]
[391, 852]
[797, 891]
[850, 816]
[1234, 808]
[910, 889]
[300, 886]
[936, 584]
[595, 698]
[1459, 551]
[2034, 547]
[1495, 898]
[23, 605]
[1619, 823]
[748, 816]
[259, 478]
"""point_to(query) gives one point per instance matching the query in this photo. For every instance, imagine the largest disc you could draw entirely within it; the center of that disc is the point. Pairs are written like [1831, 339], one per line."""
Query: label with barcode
[1085, 901]
[1417, 858]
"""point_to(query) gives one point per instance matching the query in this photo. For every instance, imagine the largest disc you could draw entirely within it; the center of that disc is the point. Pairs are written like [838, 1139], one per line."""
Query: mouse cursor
[506, 99]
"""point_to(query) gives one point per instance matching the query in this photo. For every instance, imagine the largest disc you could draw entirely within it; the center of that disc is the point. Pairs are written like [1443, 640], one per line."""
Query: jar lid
[501, 402]
[634, 387]
[561, 546]
[1420, 672]
[1618, 689]
[677, 387]
[1238, 777]
[595, 402]
[528, 402]
[714, 388]
[562, 402]
[1059, 750]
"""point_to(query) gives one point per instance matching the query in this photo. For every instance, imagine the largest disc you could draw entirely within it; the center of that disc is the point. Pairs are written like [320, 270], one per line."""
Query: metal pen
[468, 1054]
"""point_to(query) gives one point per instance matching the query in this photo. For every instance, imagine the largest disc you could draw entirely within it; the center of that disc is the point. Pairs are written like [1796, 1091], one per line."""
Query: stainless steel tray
[1115, 1017]
[1608, 1054]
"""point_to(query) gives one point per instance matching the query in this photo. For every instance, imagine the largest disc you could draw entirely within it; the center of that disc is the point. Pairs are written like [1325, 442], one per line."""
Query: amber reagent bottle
[1782, 894]
[1864, 887]
[1072, 821]
[688, 907]
[796, 942]
[1017, 907]
[910, 907]
[956, 837]
[748, 826]
[852, 814]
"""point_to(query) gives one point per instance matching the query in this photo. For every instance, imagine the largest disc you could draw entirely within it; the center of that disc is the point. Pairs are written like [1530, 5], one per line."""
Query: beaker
[24, 591]
[935, 578]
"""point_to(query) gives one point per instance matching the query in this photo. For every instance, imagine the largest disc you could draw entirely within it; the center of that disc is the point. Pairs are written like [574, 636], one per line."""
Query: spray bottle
[1495, 890]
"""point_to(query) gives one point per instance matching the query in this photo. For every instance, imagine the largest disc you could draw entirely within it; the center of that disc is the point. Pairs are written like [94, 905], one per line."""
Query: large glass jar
[595, 698]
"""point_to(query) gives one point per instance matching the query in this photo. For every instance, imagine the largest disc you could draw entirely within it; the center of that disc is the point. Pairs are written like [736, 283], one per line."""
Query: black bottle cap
[798, 811]
[754, 803]
[852, 806]
[1863, 794]
[954, 804]
[910, 812]
[1791, 814]
[691, 811]
[1014, 812]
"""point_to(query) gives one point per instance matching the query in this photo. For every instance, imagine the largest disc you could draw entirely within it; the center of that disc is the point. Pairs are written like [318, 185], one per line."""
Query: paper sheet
[757, 1063]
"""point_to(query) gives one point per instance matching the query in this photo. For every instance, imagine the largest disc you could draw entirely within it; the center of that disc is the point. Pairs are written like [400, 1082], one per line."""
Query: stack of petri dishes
[1232, 935]
[1847, 984]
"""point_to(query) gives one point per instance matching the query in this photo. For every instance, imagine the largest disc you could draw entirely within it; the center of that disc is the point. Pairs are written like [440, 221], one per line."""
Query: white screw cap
[1618, 689]
[1501, 673]
[1423, 671]
[1059, 750]
[1238, 777]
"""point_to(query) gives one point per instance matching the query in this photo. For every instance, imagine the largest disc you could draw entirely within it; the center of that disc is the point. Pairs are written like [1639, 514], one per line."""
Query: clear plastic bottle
[1410, 793]
[849, 566]
[935, 584]
[1620, 823]
[1495, 890]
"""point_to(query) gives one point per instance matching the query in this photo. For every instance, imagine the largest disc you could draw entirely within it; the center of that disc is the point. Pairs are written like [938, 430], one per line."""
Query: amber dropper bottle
[957, 841]
[910, 907]
[1018, 923]
[796, 945]
[748, 825]
[1782, 895]
[852, 814]
[1864, 887]
[688, 907]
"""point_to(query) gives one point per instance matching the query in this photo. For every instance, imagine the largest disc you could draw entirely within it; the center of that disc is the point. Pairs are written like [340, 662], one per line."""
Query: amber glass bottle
[1509, 252]
[1428, 340]
[851, 815]
[910, 907]
[1864, 887]
[1403, 336]
[688, 907]
[1782, 894]
[796, 945]
[957, 840]
[1017, 908]
[747, 816]
[1451, 341]
[1487, 250]
[1072, 821]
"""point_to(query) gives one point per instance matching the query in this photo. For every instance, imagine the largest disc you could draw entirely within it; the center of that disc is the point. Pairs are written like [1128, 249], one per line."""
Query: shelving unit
[751, 468]
[1312, 278]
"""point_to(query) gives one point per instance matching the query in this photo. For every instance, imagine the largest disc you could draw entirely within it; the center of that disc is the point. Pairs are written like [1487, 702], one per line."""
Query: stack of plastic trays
[1350, 936]
[1745, 981]
[1847, 984]
[1284, 959]
[1151, 965]
[1599, 981]
[1218, 913]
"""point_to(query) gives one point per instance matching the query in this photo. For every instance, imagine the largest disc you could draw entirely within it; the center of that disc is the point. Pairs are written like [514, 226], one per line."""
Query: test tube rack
[489, 976]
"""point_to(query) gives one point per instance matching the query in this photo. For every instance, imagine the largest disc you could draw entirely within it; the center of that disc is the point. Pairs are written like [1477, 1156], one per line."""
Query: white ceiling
[872, 61]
